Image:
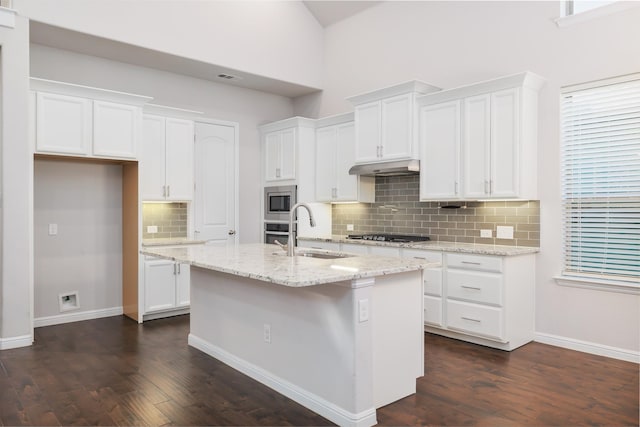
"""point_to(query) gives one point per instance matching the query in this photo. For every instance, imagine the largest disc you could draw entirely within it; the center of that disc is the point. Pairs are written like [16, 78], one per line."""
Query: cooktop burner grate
[396, 238]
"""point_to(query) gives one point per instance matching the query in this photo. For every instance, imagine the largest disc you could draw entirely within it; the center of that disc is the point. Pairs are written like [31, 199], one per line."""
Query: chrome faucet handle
[283, 247]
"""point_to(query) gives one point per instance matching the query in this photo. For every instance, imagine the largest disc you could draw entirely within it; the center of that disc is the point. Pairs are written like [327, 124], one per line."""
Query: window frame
[587, 281]
[565, 19]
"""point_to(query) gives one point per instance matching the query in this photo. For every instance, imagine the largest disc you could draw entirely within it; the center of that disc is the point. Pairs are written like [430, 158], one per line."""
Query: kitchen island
[339, 335]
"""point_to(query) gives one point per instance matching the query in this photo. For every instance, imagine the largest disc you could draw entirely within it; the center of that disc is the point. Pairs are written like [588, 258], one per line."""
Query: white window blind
[601, 180]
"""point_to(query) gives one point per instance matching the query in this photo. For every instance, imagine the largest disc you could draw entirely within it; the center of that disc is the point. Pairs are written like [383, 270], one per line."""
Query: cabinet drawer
[485, 288]
[474, 262]
[429, 256]
[384, 251]
[433, 310]
[475, 319]
[354, 248]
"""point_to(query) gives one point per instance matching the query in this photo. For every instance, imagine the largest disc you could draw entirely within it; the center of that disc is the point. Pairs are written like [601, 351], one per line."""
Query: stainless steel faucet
[291, 244]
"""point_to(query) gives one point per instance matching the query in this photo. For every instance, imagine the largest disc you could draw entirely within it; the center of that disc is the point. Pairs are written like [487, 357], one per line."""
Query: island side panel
[314, 332]
[397, 316]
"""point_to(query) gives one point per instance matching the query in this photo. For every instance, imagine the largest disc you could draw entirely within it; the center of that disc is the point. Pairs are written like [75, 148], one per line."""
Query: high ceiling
[326, 12]
[330, 12]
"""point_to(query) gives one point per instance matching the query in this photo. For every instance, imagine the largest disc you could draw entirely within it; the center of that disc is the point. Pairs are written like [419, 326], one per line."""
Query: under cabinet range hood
[393, 168]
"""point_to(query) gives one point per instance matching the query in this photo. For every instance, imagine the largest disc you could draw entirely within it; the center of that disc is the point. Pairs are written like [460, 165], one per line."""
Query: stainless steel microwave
[278, 202]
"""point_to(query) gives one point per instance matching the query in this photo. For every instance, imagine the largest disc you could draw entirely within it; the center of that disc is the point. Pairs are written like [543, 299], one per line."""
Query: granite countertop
[471, 248]
[270, 264]
[173, 241]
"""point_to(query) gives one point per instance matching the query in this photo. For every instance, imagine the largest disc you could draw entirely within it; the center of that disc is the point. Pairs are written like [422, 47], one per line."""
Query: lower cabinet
[166, 286]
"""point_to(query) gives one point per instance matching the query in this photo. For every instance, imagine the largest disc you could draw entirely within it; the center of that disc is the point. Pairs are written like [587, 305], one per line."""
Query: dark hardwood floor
[115, 372]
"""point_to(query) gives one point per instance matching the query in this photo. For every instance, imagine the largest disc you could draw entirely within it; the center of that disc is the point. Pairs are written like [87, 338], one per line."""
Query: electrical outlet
[267, 333]
[486, 233]
[363, 310]
[152, 229]
[53, 229]
[349, 227]
[504, 232]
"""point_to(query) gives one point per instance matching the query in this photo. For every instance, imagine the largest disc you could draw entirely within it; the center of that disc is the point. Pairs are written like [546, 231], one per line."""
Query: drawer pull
[475, 288]
[420, 257]
[470, 262]
[471, 319]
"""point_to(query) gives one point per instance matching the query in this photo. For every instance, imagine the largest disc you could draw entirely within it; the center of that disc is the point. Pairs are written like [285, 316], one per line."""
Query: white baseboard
[588, 347]
[15, 342]
[76, 317]
[309, 400]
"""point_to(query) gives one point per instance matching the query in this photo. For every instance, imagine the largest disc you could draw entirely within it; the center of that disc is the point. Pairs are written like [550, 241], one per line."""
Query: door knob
[232, 232]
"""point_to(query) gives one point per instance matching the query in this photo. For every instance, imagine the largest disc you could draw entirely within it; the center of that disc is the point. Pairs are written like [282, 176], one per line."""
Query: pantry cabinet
[167, 159]
[74, 120]
[166, 285]
[386, 123]
[480, 141]
[335, 154]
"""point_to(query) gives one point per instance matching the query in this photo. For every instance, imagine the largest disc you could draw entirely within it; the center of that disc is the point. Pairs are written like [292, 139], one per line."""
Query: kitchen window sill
[599, 285]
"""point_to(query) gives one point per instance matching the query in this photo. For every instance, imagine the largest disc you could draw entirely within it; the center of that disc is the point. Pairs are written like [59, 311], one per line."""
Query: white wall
[275, 39]
[85, 201]
[16, 181]
[450, 44]
[247, 107]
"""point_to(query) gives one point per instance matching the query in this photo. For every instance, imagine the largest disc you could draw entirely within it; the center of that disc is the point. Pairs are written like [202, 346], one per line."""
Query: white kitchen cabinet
[440, 151]
[432, 284]
[335, 154]
[63, 124]
[166, 285]
[280, 155]
[115, 130]
[490, 145]
[494, 131]
[74, 120]
[386, 123]
[167, 159]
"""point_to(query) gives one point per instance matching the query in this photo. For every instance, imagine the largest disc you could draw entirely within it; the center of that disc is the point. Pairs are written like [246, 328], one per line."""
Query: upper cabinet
[386, 122]
[480, 141]
[280, 155]
[288, 155]
[335, 154]
[73, 120]
[167, 159]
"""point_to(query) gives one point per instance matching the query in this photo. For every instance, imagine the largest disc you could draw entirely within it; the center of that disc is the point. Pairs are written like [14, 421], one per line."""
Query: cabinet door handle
[277, 172]
[455, 188]
[486, 187]
[470, 262]
[168, 191]
[475, 288]
[174, 269]
[471, 319]
[490, 186]
[164, 191]
[382, 151]
[179, 265]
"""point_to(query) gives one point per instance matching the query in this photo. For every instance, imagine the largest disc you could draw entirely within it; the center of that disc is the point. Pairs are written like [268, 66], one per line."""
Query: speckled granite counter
[269, 263]
[174, 241]
[432, 246]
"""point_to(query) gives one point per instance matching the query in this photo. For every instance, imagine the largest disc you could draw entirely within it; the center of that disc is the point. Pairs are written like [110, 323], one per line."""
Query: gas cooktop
[396, 238]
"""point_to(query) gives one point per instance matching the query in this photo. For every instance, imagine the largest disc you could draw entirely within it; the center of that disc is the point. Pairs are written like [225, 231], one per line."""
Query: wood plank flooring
[115, 372]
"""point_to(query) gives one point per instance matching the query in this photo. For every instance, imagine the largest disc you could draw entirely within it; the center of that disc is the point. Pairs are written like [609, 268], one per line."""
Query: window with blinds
[601, 180]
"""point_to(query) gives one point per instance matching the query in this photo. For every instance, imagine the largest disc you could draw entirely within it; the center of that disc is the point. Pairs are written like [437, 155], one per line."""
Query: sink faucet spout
[291, 244]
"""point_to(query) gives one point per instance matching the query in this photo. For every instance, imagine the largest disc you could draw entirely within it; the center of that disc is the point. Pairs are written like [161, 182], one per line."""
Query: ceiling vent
[229, 76]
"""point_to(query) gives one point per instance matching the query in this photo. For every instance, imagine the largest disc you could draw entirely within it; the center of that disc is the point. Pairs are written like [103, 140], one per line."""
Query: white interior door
[215, 177]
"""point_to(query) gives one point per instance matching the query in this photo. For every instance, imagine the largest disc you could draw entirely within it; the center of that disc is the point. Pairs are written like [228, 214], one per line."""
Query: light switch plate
[151, 229]
[53, 229]
[504, 232]
[363, 310]
[349, 227]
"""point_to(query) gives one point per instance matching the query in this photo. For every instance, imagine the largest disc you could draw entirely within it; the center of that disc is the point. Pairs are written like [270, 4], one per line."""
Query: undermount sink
[322, 255]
